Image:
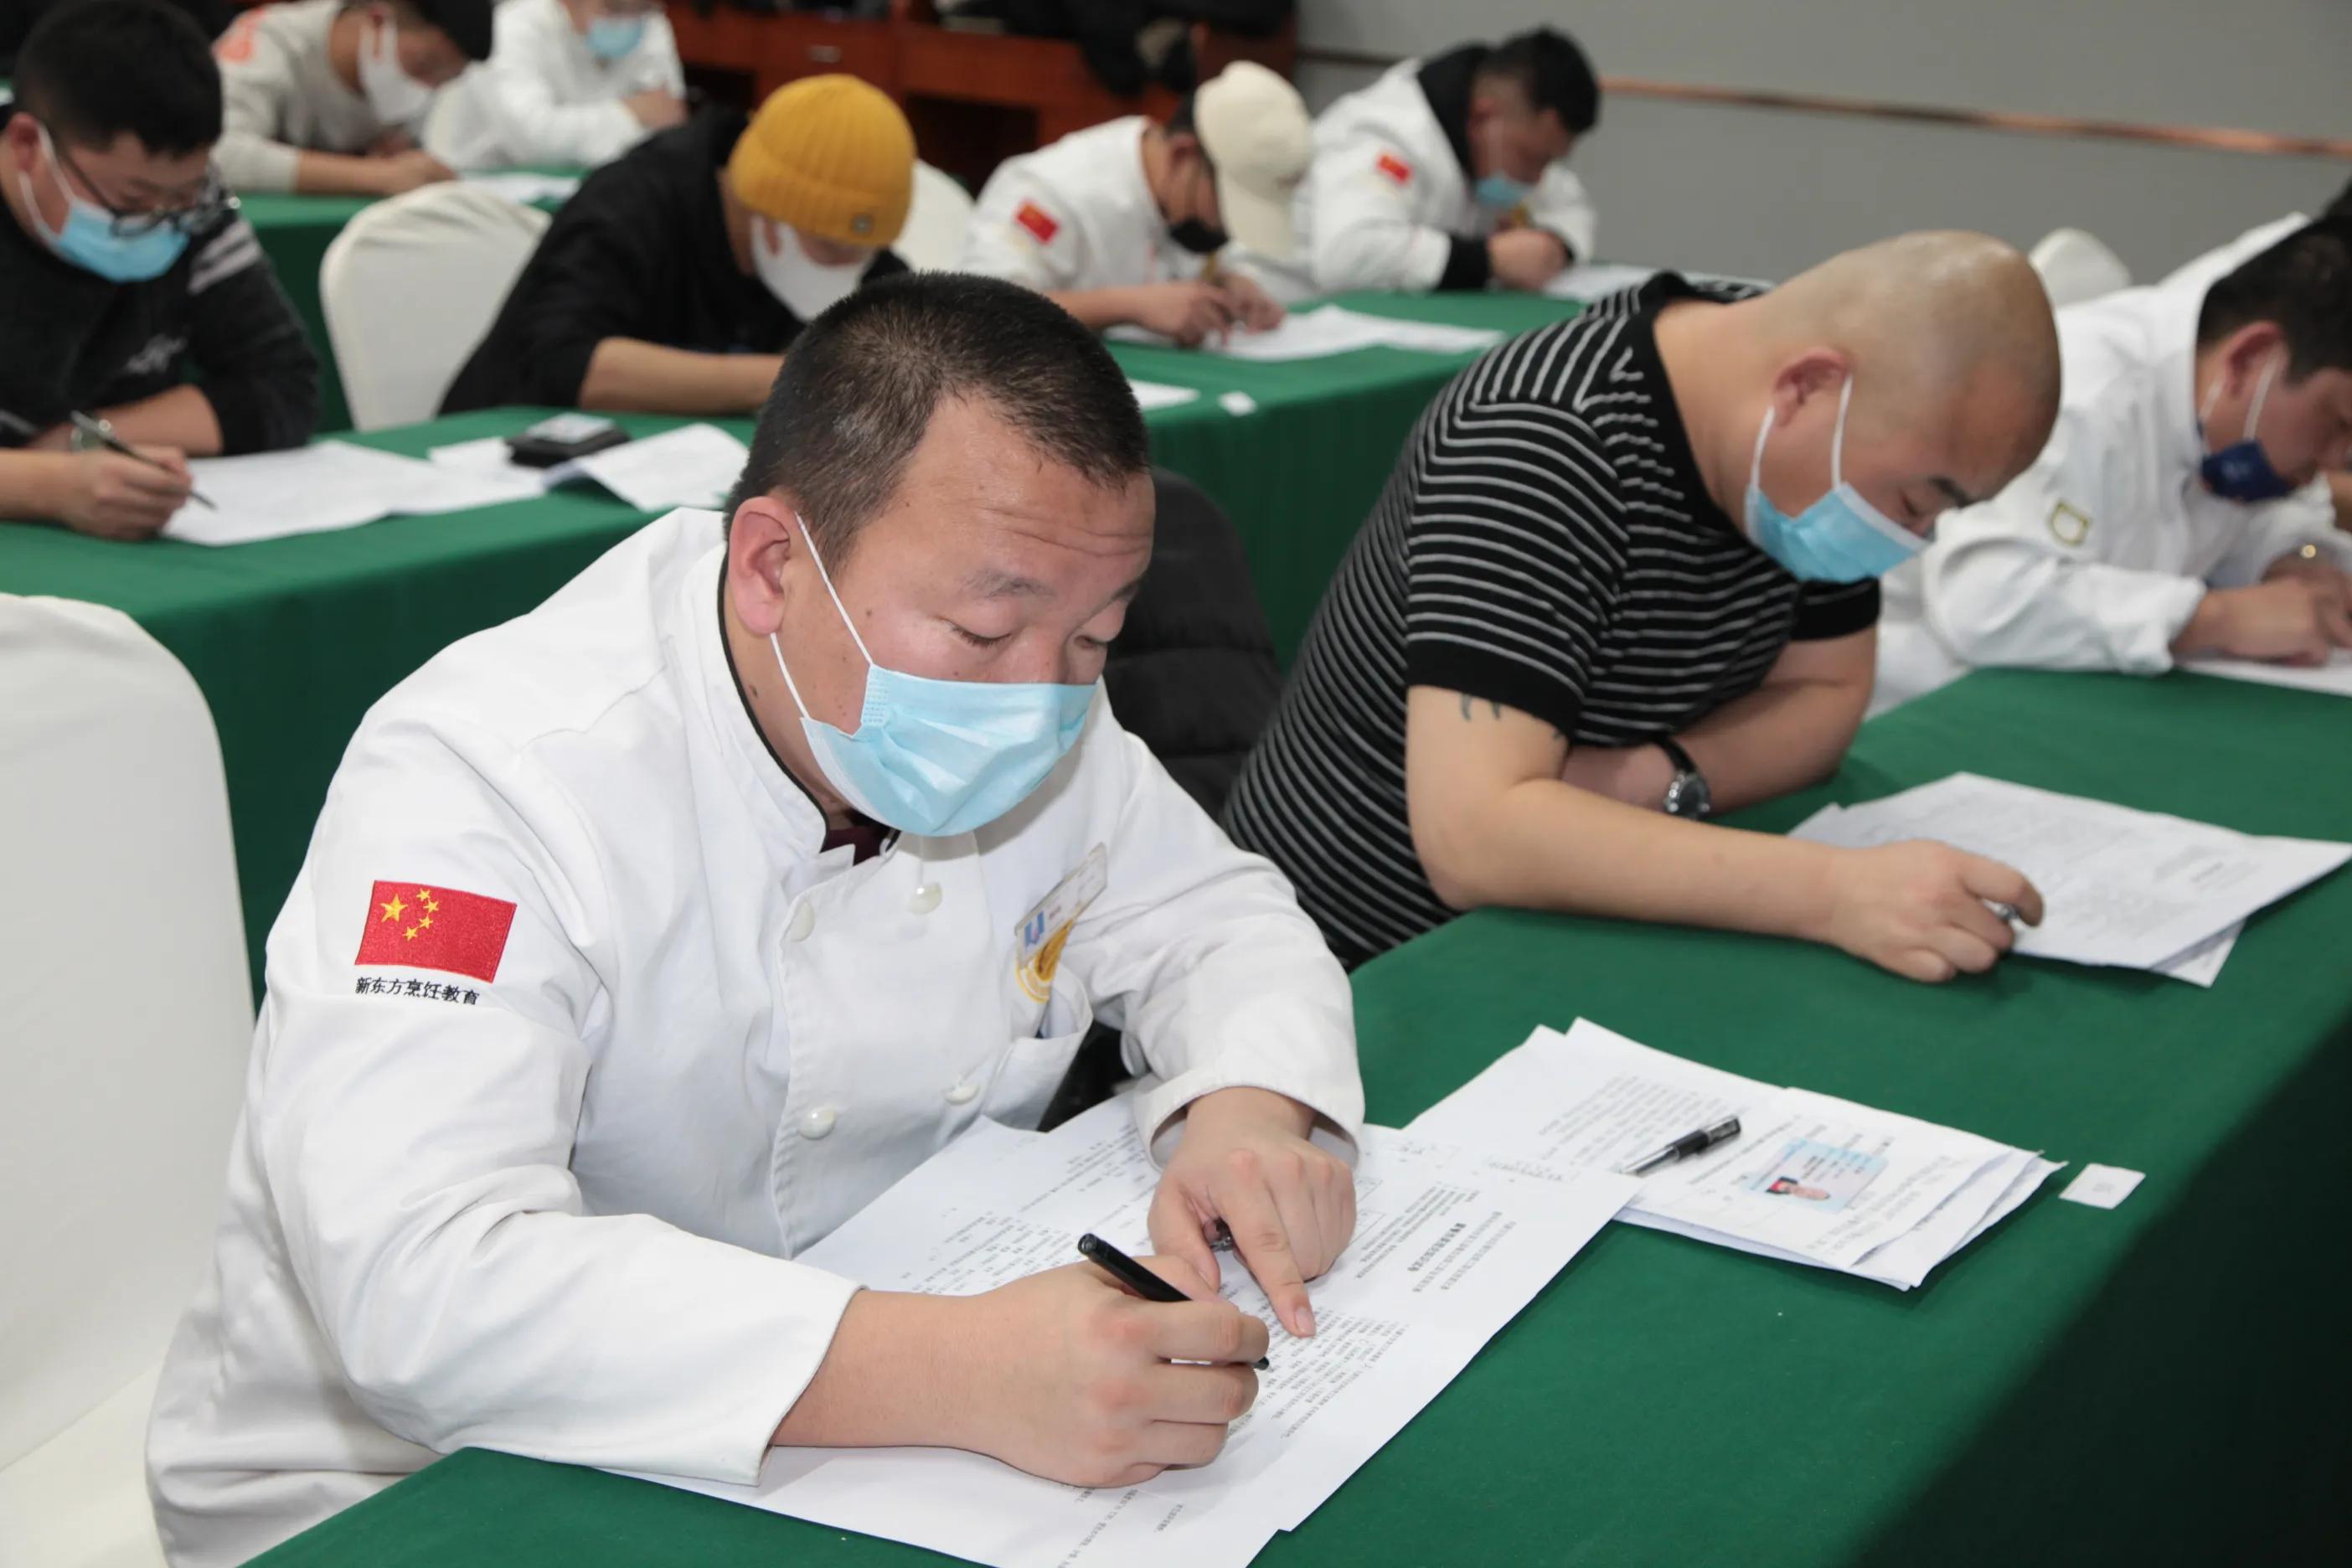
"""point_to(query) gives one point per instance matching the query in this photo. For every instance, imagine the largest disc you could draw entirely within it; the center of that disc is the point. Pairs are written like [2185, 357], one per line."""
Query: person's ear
[1814, 374]
[21, 142]
[2248, 350]
[762, 541]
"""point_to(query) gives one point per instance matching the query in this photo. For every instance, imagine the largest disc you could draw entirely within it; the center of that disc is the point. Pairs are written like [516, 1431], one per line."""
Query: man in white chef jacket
[1129, 223]
[1451, 172]
[644, 939]
[2181, 506]
[573, 82]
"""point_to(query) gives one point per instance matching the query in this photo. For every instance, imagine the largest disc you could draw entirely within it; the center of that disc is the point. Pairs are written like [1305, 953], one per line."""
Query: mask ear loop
[2262, 395]
[826, 578]
[1837, 441]
[1755, 463]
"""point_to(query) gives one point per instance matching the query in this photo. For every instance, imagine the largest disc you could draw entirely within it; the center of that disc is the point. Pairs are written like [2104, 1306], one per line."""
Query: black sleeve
[1826, 610]
[1515, 550]
[254, 362]
[1467, 265]
[591, 279]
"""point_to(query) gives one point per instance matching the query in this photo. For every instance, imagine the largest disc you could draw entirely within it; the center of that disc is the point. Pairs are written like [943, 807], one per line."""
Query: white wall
[1767, 192]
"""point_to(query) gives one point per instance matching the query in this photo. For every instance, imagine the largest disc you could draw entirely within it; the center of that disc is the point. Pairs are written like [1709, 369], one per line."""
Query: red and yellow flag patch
[1038, 222]
[419, 927]
[1394, 167]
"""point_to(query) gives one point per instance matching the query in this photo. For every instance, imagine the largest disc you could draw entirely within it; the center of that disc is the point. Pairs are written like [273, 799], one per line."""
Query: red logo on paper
[1038, 222]
[420, 927]
[1394, 167]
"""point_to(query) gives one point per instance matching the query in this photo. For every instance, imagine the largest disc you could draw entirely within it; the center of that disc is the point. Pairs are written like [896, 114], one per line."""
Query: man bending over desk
[123, 263]
[1624, 576]
[647, 938]
[672, 283]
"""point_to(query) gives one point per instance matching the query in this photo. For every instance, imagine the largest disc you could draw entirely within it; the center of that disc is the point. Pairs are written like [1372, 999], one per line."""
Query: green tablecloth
[292, 638]
[2161, 1383]
[295, 231]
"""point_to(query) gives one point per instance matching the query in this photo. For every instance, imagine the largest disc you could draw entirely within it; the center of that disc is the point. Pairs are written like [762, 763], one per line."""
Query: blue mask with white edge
[89, 238]
[614, 38]
[936, 758]
[1502, 191]
[1841, 538]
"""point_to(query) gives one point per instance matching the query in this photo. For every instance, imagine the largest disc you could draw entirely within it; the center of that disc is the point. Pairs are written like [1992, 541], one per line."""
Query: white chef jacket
[550, 1205]
[542, 98]
[2217, 263]
[1076, 215]
[1386, 197]
[2095, 557]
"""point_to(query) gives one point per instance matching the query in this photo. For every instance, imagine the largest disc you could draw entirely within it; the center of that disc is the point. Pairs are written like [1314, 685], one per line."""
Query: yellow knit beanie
[830, 155]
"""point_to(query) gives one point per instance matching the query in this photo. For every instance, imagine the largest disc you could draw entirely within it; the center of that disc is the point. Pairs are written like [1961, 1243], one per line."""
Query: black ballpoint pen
[1683, 1147]
[1133, 1275]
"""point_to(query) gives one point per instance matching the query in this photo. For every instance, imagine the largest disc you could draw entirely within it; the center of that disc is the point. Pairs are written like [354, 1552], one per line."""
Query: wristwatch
[1688, 795]
[81, 440]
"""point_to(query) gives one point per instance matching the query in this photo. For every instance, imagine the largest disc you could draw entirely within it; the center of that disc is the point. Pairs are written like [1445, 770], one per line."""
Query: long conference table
[291, 639]
[2164, 1383]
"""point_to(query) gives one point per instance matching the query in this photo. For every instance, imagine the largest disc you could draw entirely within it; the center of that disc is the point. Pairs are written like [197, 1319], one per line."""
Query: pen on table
[1133, 1275]
[105, 437]
[1683, 1147]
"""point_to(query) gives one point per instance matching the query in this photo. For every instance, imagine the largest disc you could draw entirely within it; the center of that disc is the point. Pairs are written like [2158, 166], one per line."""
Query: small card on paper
[2102, 1186]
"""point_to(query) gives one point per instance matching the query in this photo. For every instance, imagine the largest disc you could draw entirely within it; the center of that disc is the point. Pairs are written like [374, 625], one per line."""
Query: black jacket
[640, 251]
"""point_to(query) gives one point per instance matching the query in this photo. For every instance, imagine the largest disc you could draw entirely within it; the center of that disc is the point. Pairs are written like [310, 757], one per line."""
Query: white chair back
[410, 288]
[125, 1022]
[2075, 266]
[936, 221]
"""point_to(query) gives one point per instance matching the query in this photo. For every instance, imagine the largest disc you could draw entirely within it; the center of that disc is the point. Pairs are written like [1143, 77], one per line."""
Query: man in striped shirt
[1624, 574]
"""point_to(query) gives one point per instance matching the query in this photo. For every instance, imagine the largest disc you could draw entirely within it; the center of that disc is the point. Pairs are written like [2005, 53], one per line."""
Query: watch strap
[1676, 755]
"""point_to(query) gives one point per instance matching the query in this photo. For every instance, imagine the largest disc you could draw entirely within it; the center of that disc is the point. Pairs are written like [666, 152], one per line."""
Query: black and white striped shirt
[1545, 542]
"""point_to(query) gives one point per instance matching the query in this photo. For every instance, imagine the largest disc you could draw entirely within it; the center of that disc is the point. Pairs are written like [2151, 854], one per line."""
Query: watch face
[1687, 796]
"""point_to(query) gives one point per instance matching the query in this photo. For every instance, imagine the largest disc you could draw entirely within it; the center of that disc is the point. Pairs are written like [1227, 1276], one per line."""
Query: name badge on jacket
[1046, 927]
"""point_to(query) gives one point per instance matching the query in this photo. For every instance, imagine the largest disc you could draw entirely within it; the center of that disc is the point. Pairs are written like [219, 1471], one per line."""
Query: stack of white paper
[326, 485]
[694, 464]
[1811, 1179]
[2126, 889]
[1334, 330]
[2334, 677]
[1449, 1246]
[1152, 394]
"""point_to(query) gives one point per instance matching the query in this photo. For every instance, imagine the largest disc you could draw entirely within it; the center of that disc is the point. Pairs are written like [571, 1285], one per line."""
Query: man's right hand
[1921, 909]
[403, 171]
[1526, 257]
[2289, 619]
[110, 496]
[656, 109]
[1069, 1377]
[1190, 312]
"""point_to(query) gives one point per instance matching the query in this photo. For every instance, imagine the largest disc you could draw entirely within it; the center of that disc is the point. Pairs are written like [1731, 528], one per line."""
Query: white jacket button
[963, 1094]
[818, 1122]
[924, 898]
[804, 922]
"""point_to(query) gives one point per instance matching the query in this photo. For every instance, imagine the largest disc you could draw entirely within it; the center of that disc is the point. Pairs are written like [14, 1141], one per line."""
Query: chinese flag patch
[1394, 167]
[420, 927]
[237, 45]
[1038, 222]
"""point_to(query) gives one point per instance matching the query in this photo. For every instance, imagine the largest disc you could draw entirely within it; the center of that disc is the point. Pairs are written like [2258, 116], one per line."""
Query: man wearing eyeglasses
[133, 290]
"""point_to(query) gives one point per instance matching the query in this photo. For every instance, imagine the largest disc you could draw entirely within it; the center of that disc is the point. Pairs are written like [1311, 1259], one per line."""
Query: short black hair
[92, 69]
[860, 384]
[2305, 284]
[1551, 69]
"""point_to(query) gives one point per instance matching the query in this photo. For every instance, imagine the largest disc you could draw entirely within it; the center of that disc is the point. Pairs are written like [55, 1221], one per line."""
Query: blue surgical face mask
[1841, 538]
[2241, 472]
[89, 239]
[612, 38]
[1502, 191]
[938, 757]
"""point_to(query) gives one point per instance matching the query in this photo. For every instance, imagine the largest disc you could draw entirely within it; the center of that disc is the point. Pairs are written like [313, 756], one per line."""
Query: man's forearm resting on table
[1097, 308]
[182, 417]
[340, 175]
[885, 1379]
[32, 484]
[1783, 736]
[630, 375]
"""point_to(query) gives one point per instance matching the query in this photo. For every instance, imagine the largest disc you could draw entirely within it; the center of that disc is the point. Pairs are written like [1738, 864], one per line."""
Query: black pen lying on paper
[1683, 1147]
[114, 443]
[1134, 1275]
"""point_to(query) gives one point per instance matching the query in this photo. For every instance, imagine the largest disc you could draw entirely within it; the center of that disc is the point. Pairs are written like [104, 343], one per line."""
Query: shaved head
[1942, 327]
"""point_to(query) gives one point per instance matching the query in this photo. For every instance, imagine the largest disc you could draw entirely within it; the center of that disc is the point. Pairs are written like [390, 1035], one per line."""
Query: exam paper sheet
[1152, 394]
[1811, 1179]
[2334, 677]
[1448, 1247]
[1332, 330]
[694, 464]
[2123, 888]
[320, 487]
